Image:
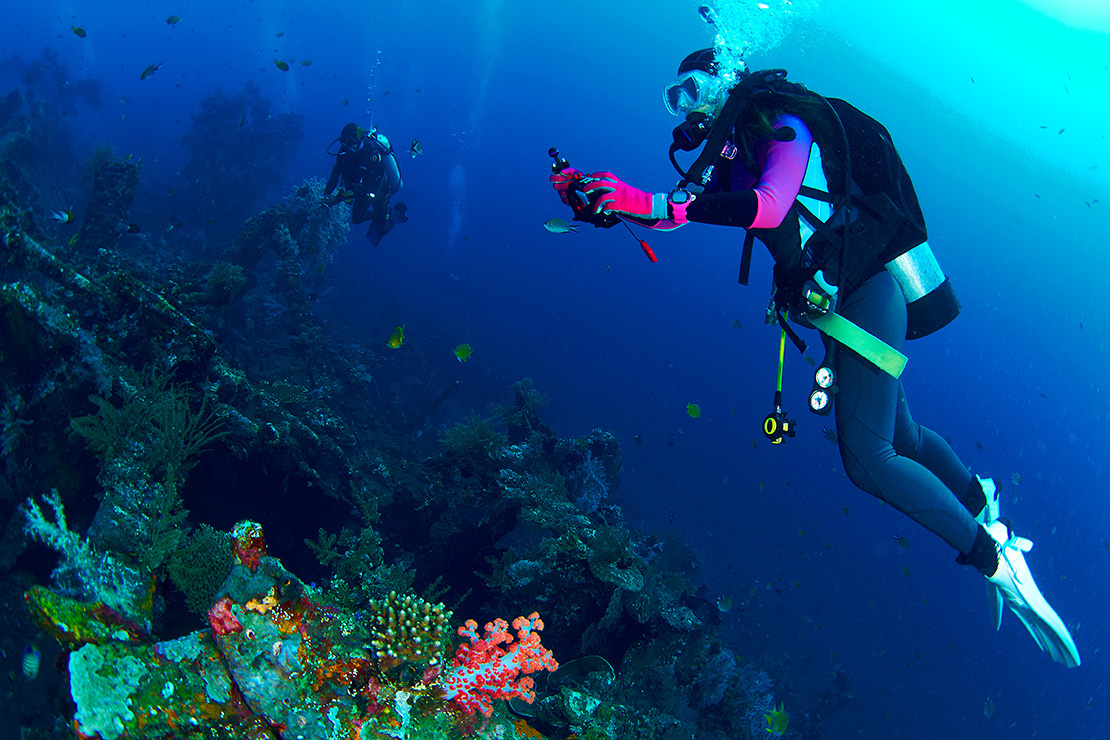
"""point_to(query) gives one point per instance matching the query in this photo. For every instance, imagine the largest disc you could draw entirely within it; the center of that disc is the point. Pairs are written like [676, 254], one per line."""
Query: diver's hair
[349, 135]
[793, 98]
[787, 97]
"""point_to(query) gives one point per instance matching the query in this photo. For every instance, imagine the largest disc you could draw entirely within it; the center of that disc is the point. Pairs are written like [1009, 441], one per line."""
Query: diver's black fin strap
[746, 258]
[798, 341]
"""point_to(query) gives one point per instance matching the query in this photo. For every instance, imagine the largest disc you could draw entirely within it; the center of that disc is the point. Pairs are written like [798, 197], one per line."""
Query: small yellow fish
[173, 20]
[125, 100]
[62, 217]
[810, 361]
[150, 70]
[397, 338]
[777, 720]
[845, 508]
[905, 571]
[463, 352]
[283, 66]
[1015, 478]
[902, 542]
[306, 62]
[559, 226]
[736, 324]
[830, 434]
[724, 604]
[693, 410]
[78, 32]
[345, 102]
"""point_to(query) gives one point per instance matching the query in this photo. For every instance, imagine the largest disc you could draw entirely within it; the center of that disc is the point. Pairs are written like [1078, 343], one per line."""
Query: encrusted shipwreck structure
[156, 404]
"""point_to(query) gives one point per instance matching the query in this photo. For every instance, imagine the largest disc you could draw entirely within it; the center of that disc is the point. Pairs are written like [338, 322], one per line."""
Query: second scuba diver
[369, 173]
[790, 167]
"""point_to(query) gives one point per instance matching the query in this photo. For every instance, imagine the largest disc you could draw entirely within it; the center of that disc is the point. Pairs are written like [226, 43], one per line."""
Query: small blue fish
[146, 73]
[559, 226]
[31, 659]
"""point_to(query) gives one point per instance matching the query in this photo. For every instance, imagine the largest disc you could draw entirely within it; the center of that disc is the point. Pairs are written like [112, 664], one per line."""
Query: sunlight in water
[1092, 15]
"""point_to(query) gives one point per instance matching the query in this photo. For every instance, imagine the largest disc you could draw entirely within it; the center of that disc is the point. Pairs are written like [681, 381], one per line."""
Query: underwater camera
[580, 203]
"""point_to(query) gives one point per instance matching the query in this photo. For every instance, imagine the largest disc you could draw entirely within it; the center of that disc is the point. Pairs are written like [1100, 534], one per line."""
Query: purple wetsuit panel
[784, 168]
[763, 200]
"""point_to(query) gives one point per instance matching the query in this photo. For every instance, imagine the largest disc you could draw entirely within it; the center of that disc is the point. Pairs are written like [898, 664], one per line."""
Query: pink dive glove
[621, 197]
[562, 180]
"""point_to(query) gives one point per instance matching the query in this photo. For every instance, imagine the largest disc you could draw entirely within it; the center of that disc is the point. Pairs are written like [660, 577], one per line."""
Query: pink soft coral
[488, 667]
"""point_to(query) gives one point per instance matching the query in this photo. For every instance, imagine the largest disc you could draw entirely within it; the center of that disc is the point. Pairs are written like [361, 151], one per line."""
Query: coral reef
[150, 403]
[278, 661]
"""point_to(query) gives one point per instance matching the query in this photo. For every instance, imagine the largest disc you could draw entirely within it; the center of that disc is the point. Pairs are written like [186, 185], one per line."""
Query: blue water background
[1017, 382]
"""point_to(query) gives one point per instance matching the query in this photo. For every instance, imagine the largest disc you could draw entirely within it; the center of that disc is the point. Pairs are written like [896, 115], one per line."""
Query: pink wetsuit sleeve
[783, 172]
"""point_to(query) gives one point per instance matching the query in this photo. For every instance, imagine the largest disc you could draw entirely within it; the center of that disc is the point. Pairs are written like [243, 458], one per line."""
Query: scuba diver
[370, 176]
[794, 169]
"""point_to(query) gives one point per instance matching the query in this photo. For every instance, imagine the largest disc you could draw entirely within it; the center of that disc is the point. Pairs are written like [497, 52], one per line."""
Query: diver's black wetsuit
[369, 170]
[885, 452]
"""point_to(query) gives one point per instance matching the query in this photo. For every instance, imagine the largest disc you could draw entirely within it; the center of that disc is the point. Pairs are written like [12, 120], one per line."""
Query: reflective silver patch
[917, 272]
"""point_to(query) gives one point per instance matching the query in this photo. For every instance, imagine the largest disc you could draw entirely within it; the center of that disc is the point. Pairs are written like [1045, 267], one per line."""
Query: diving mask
[692, 91]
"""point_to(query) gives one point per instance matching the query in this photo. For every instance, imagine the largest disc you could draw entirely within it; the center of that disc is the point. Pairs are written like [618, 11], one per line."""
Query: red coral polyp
[221, 618]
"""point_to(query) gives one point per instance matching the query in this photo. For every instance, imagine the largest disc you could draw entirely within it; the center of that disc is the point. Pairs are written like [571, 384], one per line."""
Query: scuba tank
[931, 302]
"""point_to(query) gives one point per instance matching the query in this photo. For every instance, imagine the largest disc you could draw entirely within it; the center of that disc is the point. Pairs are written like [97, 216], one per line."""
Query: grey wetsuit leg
[885, 452]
